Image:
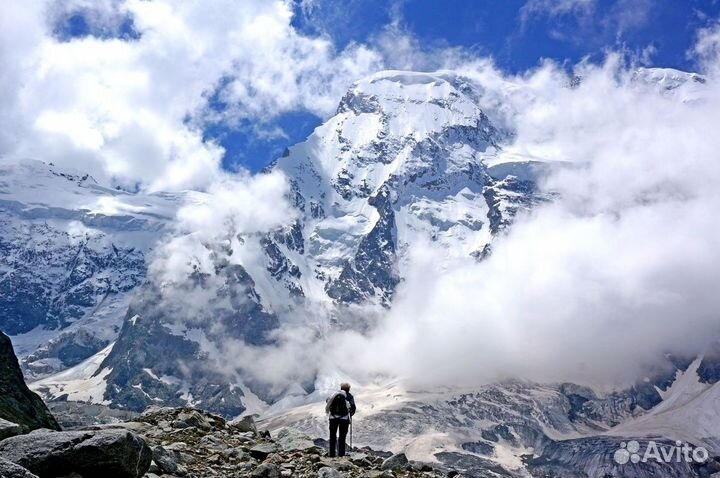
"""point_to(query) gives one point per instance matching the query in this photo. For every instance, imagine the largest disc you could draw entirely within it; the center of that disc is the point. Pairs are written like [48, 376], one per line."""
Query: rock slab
[106, 453]
[395, 462]
[9, 429]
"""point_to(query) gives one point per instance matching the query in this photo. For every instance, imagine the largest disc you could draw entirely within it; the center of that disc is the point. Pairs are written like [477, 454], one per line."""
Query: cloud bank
[593, 288]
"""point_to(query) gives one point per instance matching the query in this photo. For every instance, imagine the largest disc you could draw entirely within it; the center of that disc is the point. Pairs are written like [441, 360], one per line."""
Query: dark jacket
[351, 399]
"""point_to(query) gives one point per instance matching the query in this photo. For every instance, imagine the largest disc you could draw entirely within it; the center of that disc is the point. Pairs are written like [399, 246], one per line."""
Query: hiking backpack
[339, 406]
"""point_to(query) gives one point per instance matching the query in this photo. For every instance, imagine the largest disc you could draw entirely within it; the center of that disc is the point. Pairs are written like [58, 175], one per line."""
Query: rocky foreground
[169, 442]
[185, 442]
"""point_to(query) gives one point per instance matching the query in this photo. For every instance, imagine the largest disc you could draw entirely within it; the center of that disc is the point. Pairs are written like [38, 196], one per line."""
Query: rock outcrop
[17, 403]
[9, 429]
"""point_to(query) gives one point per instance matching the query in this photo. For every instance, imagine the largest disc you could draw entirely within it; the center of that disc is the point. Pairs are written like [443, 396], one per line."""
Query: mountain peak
[413, 103]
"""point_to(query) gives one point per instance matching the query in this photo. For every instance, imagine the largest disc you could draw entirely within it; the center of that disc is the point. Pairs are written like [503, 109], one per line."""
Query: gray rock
[192, 419]
[337, 463]
[177, 446]
[41, 431]
[361, 460]
[395, 462]
[165, 460]
[9, 469]
[328, 472]
[153, 468]
[263, 450]
[9, 429]
[266, 470]
[292, 440]
[107, 453]
[244, 424]
[212, 442]
[235, 453]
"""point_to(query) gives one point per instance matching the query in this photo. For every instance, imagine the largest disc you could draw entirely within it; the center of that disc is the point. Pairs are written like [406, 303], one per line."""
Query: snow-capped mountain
[72, 253]
[407, 157]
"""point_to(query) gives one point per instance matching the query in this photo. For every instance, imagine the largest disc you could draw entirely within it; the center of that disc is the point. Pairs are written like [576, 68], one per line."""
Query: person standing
[340, 408]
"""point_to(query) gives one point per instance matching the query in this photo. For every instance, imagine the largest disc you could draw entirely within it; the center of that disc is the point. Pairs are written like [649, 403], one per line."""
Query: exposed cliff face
[163, 352]
[408, 157]
[17, 403]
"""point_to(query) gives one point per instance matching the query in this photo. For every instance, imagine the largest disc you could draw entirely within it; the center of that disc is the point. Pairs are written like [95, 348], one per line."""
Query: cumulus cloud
[707, 47]
[125, 106]
[232, 207]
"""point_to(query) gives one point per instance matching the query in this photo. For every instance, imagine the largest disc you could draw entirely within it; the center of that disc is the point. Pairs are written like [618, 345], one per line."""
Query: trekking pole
[350, 433]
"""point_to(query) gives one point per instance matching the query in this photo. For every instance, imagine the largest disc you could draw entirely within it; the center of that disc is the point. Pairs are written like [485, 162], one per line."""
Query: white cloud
[556, 7]
[707, 47]
[120, 107]
[233, 205]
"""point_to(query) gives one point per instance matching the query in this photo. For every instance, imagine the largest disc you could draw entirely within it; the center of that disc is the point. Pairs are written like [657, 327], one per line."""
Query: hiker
[340, 407]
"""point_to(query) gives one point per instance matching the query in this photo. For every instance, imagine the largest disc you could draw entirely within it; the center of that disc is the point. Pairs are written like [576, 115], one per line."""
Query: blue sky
[517, 34]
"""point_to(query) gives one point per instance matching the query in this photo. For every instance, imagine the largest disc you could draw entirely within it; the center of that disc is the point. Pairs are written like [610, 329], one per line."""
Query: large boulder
[263, 450]
[395, 462]
[165, 460]
[328, 472]
[9, 469]
[244, 425]
[291, 440]
[266, 470]
[17, 403]
[107, 453]
[9, 429]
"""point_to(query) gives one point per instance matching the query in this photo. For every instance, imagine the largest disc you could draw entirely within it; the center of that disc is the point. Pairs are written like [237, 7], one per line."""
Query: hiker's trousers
[338, 424]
